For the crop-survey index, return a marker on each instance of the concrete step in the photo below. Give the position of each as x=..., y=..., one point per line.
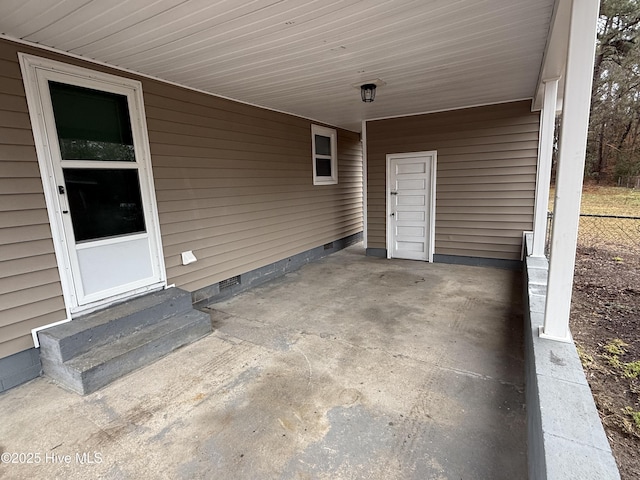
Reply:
x=95, y=349
x=66, y=341
x=105, y=363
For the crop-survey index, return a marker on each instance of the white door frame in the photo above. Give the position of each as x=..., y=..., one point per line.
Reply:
x=431, y=223
x=31, y=66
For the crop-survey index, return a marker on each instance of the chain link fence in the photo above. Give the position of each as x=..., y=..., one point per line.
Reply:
x=605, y=231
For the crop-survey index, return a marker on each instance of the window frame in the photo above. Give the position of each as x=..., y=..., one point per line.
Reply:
x=332, y=134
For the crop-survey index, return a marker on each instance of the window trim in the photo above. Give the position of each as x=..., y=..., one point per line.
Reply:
x=332, y=134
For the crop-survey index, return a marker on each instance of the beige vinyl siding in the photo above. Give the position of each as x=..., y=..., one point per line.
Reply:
x=233, y=183
x=30, y=290
x=486, y=173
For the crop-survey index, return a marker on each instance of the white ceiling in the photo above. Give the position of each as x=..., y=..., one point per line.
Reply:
x=303, y=56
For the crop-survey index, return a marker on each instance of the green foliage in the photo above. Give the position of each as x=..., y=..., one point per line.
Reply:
x=635, y=416
x=615, y=349
x=627, y=164
x=631, y=369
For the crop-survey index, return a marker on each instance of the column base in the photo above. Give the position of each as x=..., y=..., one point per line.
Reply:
x=567, y=339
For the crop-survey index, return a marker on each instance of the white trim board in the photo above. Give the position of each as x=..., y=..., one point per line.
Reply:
x=365, y=189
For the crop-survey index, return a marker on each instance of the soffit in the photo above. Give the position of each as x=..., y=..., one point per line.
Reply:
x=303, y=57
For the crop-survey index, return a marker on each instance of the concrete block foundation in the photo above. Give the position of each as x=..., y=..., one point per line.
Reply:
x=19, y=368
x=566, y=439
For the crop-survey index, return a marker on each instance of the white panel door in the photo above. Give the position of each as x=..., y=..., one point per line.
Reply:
x=100, y=190
x=411, y=205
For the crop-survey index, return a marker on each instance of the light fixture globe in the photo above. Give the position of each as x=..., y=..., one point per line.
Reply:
x=368, y=92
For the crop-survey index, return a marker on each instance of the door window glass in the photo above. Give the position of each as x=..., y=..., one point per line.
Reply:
x=104, y=202
x=91, y=124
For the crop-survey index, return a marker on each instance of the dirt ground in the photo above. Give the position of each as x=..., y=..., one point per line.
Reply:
x=605, y=323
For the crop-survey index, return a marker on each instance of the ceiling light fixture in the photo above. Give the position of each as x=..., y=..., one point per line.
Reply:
x=368, y=92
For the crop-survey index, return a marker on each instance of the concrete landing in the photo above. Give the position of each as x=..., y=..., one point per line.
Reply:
x=351, y=368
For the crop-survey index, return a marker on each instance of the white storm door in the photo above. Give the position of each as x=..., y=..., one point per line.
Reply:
x=100, y=179
x=411, y=205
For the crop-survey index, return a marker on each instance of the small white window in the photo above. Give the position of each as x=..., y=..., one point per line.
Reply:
x=325, y=156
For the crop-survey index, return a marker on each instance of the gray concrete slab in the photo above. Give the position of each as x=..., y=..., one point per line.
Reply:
x=352, y=367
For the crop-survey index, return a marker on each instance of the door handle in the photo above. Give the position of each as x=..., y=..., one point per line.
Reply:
x=65, y=209
x=393, y=193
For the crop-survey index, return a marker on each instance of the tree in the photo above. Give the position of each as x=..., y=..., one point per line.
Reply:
x=615, y=103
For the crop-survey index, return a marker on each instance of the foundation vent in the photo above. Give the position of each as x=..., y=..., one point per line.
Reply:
x=229, y=282
x=328, y=246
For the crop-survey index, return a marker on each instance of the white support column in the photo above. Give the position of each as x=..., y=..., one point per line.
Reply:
x=365, y=210
x=545, y=152
x=571, y=160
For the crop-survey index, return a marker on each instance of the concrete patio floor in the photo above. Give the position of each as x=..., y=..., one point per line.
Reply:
x=351, y=368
